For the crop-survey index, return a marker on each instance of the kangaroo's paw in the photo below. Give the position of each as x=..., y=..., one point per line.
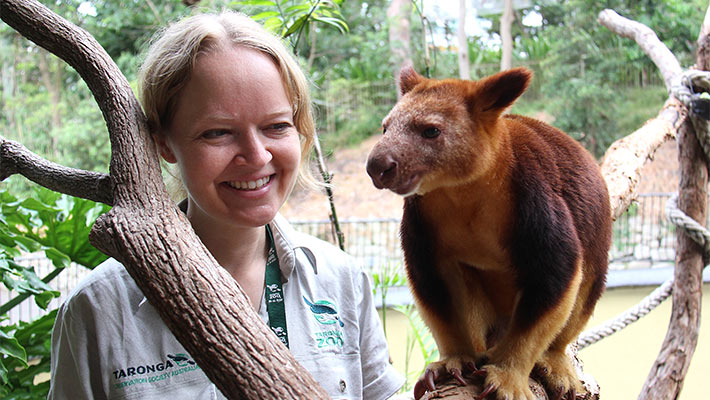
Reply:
x=506, y=383
x=557, y=373
x=457, y=366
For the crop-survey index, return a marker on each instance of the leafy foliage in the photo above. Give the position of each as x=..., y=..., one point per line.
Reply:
x=584, y=72
x=288, y=18
x=58, y=226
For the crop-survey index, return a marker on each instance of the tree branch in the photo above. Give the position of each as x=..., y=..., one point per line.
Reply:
x=199, y=301
x=623, y=161
x=17, y=159
x=625, y=158
x=666, y=377
x=646, y=38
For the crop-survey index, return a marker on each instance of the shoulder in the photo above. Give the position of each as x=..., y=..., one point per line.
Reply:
x=108, y=284
x=323, y=256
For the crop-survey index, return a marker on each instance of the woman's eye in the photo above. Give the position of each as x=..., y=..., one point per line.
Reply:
x=214, y=133
x=280, y=127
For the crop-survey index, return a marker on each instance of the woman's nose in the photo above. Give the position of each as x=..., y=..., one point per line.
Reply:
x=252, y=149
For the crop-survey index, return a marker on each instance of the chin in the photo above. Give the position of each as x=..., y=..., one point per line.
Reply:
x=256, y=218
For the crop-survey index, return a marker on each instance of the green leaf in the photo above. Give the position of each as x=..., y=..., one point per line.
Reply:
x=296, y=8
x=295, y=26
x=54, y=221
x=257, y=2
x=334, y=22
x=9, y=346
x=4, y=377
x=43, y=299
x=59, y=259
x=265, y=14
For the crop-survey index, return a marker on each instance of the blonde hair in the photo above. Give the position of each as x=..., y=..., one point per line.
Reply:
x=171, y=57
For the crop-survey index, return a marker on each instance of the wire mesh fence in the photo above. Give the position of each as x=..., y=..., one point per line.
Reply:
x=642, y=236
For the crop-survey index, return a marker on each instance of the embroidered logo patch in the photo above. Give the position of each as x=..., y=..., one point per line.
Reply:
x=325, y=312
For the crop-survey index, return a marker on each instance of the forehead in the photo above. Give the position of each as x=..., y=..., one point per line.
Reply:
x=234, y=82
x=431, y=104
x=234, y=61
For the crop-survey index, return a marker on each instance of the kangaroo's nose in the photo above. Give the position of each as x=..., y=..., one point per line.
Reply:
x=382, y=170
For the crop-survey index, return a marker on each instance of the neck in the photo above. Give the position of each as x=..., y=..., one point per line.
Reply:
x=242, y=251
x=236, y=250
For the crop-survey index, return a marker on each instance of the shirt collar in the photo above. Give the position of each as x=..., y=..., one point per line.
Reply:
x=287, y=240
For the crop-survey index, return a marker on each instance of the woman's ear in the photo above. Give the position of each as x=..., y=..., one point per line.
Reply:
x=164, y=148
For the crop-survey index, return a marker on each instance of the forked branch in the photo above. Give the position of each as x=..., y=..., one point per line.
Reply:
x=199, y=301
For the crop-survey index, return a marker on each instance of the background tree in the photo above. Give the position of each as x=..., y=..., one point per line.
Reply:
x=398, y=14
x=464, y=69
x=506, y=36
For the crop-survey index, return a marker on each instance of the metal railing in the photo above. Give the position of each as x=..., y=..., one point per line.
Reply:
x=642, y=237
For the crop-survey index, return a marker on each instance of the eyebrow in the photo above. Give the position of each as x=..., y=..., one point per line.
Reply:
x=225, y=117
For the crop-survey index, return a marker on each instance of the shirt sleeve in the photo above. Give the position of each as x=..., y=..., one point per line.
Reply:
x=380, y=379
x=74, y=373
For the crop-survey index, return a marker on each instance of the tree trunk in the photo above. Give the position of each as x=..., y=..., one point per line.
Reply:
x=665, y=380
x=506, y=35
x=464, y=64
x=399, y=36
x=312, y=51
x=198, y=300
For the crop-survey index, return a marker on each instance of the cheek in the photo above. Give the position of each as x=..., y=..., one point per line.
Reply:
x=289, y=152
x=196, y=167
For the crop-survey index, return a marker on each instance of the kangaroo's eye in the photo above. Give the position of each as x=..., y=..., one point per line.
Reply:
x=431, y=132
x=384, y=129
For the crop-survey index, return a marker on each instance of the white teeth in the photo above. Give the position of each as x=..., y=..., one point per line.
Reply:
x=250, y=185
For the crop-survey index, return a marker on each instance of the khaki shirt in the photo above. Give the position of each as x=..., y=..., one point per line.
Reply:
x=108, y=342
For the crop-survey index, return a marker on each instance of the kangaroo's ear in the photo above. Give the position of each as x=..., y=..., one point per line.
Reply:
x=408, y=79
x=499, y=91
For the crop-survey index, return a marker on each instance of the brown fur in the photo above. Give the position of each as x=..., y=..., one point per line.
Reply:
x=506, y=227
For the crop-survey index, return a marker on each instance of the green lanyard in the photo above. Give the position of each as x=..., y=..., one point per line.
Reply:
x=274, y=292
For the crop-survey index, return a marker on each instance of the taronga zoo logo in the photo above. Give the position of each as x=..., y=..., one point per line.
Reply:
x=325, y=312
x=152, y=373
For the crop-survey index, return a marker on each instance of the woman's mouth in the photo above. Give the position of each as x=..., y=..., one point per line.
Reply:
x=250, y=185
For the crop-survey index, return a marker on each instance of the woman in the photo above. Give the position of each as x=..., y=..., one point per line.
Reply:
x=229, y=106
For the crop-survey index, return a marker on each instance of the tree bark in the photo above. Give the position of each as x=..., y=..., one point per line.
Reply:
x=464, y=65
x=199, y=301
x=506, y=36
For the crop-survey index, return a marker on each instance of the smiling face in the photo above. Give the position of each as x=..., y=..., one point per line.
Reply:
x=233, y=138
